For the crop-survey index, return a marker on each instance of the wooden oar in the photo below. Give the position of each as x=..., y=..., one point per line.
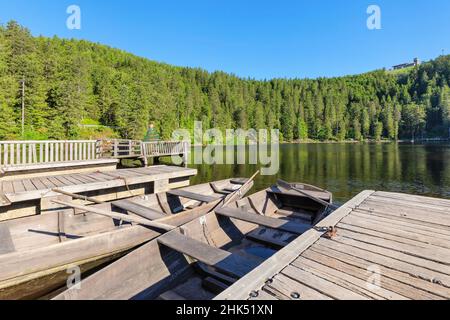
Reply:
x=118, y=216
x=238, y=193
x=288, y=186
x=77, y=196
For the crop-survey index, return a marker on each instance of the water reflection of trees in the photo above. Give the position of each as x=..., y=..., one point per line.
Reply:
x=347, y=169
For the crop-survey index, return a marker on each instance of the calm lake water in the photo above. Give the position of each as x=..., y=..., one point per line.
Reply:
x=347, y=169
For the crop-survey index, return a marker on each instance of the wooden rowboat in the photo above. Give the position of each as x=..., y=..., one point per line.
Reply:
x=36, y=252
x=208, y=254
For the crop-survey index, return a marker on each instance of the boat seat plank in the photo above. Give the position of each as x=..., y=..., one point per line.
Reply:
x=231, y=189
x=216, y=189
x=220, y=259
x=138, y=209
x=192, y=195
x=293, y=227
x=241, y=181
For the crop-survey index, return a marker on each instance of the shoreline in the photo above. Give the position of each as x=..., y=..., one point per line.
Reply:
x=339, y=142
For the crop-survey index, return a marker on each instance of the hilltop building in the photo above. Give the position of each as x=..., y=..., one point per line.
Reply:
x=415, y=63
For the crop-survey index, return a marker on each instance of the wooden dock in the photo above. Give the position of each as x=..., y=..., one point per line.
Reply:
x=23, y=197
x=377, y=246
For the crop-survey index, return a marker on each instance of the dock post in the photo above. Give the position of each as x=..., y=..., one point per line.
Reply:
x=161, y=186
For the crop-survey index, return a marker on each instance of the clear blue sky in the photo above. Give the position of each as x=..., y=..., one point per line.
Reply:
x=252, y=38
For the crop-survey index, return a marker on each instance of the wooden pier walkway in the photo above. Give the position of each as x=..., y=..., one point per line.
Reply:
x=21, y=191
x=382, y=246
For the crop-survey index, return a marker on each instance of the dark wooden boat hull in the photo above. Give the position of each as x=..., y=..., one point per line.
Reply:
x=223, y=245
x=34, y=272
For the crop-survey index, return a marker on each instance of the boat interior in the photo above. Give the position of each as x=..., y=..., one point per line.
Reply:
x=68, y=224
x=207, y=255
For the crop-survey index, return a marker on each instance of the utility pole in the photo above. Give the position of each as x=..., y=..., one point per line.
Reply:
x=23, y=106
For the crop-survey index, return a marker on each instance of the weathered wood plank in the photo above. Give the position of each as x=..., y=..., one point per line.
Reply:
x=402, y=219
x=192, y=195
x=73, y=179
x=429, y=206
x=29, y=186
x=7, y=187
x=138, y=209
x=100, y=184
x=432, y=266
x=373, y=228
x=53, y=165
x=289, y=288
x=84, y=178
x=6, y=242
x=405, y=225
x=18, y=186
x=413, y=198
x=273, y=223
x=38, y=184
x=358, y=266
x=56, y=182
x=256, y=279
x=346, y=280
x=322, y=285
x=264, y=296
x=436, y=254
x=220, y=259
x=66, y=180
x=317, y=194
x=399, y=211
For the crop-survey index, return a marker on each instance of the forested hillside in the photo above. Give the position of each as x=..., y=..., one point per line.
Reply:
x=70, y=83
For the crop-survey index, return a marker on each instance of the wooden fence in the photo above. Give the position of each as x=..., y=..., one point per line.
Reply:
x=165, y=148
x=37, y=152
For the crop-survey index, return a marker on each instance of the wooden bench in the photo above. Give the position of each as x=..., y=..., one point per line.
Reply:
x=192, y=196
x=222, y=260
x=274, y=223
x=21, y=171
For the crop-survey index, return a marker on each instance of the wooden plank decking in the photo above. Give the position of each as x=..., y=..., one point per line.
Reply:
x=387, y=246
x=35, y=188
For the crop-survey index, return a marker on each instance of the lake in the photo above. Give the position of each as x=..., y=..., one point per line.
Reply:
x=347, y=169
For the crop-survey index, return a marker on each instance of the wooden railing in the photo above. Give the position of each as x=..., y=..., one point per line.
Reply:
x=118, y=149
x=165, y=148
x=14, y=153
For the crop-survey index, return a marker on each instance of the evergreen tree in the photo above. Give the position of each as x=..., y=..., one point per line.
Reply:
x=70, y=82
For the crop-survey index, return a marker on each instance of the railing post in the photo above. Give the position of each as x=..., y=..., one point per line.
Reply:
x=144, y=153
x=186, y=153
